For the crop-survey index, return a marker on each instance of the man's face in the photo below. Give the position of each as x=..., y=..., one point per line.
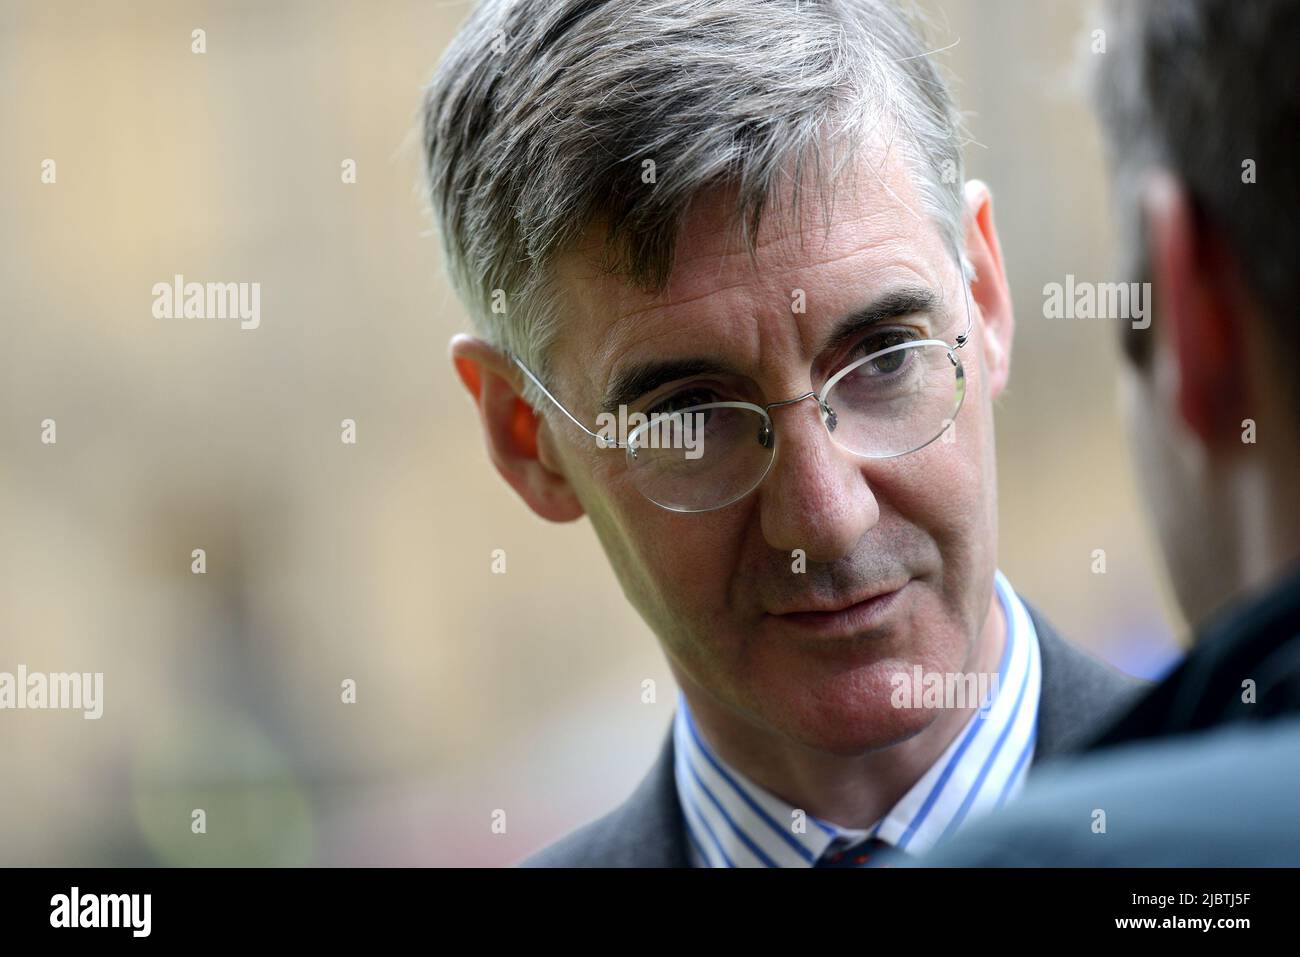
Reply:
x=1175, y=485
x=719, y=587
x=1199, y=493
x=1185, y=403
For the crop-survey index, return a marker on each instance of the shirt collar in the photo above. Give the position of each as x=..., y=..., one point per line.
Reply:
x=733, y=822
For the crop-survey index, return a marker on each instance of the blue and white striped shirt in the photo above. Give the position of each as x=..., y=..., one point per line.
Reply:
x=733, y=822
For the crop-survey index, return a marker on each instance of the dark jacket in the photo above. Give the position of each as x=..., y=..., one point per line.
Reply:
x=1194, y=774
x=647, y=830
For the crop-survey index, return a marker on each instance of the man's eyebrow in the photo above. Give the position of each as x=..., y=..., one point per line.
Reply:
x=894, y=304
x=644, y=377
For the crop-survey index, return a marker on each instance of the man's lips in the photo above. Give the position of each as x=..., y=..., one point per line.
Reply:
x=832, y=618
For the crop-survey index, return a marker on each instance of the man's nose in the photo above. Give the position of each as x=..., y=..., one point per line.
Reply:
x=815, y=496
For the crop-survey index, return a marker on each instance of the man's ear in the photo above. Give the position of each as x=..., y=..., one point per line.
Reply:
x=989, y=289
x=1198, y=301
x=518, y=441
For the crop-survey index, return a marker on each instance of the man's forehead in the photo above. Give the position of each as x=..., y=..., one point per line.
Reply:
x=870, y=233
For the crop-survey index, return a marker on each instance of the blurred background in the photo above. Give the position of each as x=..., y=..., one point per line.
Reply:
x=373, y=562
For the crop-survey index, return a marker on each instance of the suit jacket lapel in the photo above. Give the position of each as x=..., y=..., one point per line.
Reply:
x=648, y=830
x=1079, y=692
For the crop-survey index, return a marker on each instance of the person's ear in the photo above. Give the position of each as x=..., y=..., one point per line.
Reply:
x=1197, y=334
x=989, y=289
x=518, y=441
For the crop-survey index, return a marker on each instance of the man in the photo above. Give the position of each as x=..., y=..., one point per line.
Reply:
x=742, y=224
x=1201, y=100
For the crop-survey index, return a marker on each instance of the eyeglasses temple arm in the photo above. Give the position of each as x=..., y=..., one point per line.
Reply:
x=604, y=442
x=965, y=295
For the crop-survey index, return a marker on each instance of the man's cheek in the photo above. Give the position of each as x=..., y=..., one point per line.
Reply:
x=935, y=486
x=689, y=566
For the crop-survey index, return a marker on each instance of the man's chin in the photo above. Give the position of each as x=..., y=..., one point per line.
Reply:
x=848, y=720
x=844, y=710
x=860, y=733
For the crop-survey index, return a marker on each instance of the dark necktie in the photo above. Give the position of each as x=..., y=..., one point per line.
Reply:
x=840, y=854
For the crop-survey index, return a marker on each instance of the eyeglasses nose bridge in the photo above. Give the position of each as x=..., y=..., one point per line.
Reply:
x=772, y=405
x=828, y=414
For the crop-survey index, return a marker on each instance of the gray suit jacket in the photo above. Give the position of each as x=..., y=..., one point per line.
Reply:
x=1079, y=693
x=1196, y=773
x=1229, y=797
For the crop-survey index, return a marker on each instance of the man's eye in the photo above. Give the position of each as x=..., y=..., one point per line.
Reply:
x=890, y=362
x=682, y=400
x=882, y=340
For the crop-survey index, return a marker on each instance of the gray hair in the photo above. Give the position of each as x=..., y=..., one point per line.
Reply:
x=1198, y=87
x=542, y=114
